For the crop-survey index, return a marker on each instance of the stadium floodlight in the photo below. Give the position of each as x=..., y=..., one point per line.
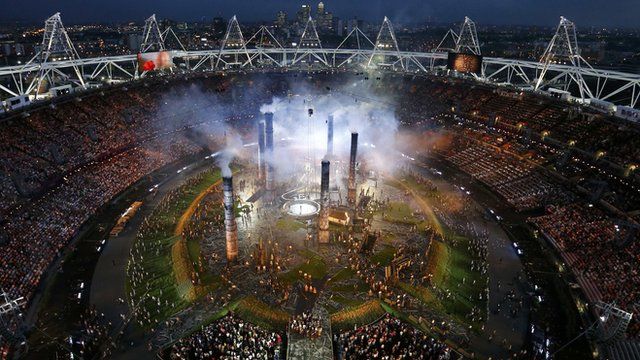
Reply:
x=56, y=45
x=563, y=50
x=467, y=39
x=233, y=40
x=386, y=42
x=151, y=36
x=310, y=45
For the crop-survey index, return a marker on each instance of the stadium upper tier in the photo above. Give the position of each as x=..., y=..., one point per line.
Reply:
x=561, y=71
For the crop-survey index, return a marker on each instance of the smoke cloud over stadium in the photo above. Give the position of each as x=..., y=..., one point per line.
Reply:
x=300, y=120
x=300, y=129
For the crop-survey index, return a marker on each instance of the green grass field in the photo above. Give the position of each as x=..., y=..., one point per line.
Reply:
x=449, y=263
x=158, y=246
x=359, y=315
x=384, y=256
x=288, y=223
x=315, y=267
x=341, y=275
x=260, y=313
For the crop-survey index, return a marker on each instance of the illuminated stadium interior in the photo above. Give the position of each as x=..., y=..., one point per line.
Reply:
x=309, y=202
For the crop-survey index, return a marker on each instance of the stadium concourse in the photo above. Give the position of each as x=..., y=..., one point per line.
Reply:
x=552, y=187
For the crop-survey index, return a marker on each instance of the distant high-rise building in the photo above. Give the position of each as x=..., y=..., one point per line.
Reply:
x=219, y=26
x=281, y=19
x=303, y=14
x=324, y=19
x=354, y=23
x=6, y=47
x=19, y=49
x=134, y=41
x=339, y=27
x=328, y=21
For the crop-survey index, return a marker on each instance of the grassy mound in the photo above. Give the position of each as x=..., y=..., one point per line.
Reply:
x=260, y=313
x=356, y=316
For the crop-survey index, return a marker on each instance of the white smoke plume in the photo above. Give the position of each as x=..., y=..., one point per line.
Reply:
x=356, y=107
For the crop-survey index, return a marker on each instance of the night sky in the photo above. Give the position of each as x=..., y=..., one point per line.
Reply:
x=622, y=13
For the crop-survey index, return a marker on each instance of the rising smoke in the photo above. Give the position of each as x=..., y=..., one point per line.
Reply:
x=358, y=105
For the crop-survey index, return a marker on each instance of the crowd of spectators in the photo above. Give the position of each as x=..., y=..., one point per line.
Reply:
x=512, y=141
x=516, y=180
x=62, y=162
x=229, y=338
x=576, y=141
x=590, y=244
x=307, y=324
x=389, y=338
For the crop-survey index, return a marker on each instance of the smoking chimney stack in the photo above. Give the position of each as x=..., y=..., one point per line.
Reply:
x=351, y=190
x=324, y=180
x=230, y=220
x=323, y=220
x=268, y=119
x=261, y=151
x=330, y=136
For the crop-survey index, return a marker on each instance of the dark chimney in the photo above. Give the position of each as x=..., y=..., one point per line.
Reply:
x=230, y=220
x=351, y=191
x=330, y=136
x=261, y=151
x=323, y=220
x=324, y=180
x=268, y=118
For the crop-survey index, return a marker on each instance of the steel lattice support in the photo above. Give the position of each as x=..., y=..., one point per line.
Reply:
x=309, y=41
x=233, y=40
x=386, y=43
x=152, y=39
x=56, y=45
x=612, y=324
x=467, y=40
x=11, y=324
x=263, y=49
x=563, y=48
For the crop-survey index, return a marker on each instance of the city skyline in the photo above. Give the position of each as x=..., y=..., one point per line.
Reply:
x=493, y=12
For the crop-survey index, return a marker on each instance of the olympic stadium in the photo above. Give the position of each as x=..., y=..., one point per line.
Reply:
x=268, y=201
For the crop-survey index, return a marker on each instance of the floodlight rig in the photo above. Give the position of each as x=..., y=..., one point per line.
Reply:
x=309, y=44
x=385, y=42
x=233, y=39
x=563, y=49
x=612, y=323
x=467, y=40
x=169, y=32
x=609, y=327
x=56, y=46
x=152, y=39
x=262, y=40
x=361, y=39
